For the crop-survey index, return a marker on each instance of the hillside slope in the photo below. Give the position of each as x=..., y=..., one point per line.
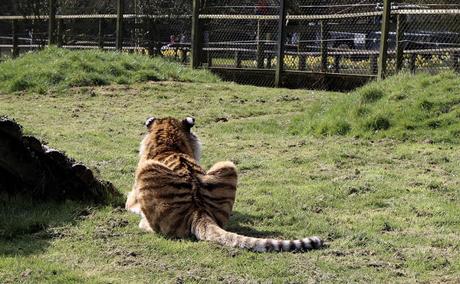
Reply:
x=57, y=69
x=405, y=107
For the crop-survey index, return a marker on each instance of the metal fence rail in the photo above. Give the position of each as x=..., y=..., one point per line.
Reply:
x=335, y=44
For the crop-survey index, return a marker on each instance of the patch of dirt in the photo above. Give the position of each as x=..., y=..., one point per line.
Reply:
x=287, y=98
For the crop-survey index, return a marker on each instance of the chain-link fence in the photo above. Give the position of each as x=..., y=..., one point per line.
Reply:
x=143, y=26
x=335, y=43
x=240, y=36
x=425, y=37
x=322, y=43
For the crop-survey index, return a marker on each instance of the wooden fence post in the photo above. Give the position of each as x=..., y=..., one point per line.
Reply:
x=302, y=57
x=237, y=59
x=14, y=35
x=119, y=28
x=209, y=59
x=324, y=44
x=413, y=63
x=374, y=64
x=337, y=63
x=52, y=22
x=60, y=32
x=400, y=23
x=196, y=35
x=100, y=33
x=281, y=44
x=384, y=39
x=268, y=38
x=260, y=52
x=455, y=64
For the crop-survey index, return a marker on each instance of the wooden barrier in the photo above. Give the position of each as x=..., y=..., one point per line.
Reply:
x=119, y=28
x=14, y=35
x=400, y=24
x=100, y=33
x=324, y=51
x=455, y=61
x=281, y=44
x=52, y=22
x=196, y=35
x=382, y=68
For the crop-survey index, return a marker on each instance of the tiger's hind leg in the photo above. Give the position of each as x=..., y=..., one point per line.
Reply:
x=219, y=190
x=144, y=225
x=132, y=204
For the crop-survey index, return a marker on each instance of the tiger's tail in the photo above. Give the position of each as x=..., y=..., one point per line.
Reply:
x=206, y=229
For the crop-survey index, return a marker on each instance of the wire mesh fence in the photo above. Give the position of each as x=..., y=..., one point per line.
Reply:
x=241, y=35
x=339, y=39
x=425, y=37
x=320, y=42
x=146, y=27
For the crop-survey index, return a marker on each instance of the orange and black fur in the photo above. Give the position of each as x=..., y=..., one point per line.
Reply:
x=177, y=198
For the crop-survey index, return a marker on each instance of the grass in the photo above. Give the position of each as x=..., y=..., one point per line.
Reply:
x=58, y=69
x=387, y=207
x=405, y=107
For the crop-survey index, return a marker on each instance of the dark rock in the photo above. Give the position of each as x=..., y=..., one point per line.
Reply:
x=34, y=144
x=83, y=173
x=29, y=167
x=10, y=127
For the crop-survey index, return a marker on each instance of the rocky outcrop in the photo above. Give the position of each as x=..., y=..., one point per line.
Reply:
x=29, y=167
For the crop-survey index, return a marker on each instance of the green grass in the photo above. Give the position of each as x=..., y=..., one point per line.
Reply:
x=387, y=208
x=58, y=69
x=405, y=107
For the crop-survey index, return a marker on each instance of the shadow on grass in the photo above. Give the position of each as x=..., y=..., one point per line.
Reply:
x=27, y=226
x=235, y=226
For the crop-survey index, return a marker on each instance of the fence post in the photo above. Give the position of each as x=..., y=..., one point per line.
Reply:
x=52, y=22
x=302, y=49
x=60, y=29
x=281, y=43
x=196, y=35
x=337, y=63
x=237, y=59
x=119, y=28
x=324, y=42
x=209, y=59
x=14, y=35
x=268, y=38
x=413, y=63
x=384, y=39
x=100, y=33
x=374, y=64
x=260, y=49
x=455, y=64
x=400, y=23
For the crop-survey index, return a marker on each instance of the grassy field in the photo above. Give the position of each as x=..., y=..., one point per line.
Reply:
x=387, y=206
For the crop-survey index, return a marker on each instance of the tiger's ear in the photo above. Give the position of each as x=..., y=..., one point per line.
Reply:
x=149, y=121
x=189, y=122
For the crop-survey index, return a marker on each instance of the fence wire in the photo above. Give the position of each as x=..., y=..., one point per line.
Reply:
x=240, y=39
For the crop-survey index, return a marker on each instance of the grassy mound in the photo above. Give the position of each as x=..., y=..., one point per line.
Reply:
x=402, y=107
x=55, y=68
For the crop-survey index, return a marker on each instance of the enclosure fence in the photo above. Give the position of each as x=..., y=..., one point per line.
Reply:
x=336, y=44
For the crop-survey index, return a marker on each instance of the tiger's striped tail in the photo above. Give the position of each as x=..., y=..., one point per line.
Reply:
x=204, y=228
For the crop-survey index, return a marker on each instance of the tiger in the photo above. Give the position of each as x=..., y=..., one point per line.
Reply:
x=177, y=198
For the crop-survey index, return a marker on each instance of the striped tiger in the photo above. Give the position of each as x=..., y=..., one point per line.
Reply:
x=177, y=198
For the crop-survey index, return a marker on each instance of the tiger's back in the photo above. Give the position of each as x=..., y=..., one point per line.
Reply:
x=173, y=188
x=177, y=198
